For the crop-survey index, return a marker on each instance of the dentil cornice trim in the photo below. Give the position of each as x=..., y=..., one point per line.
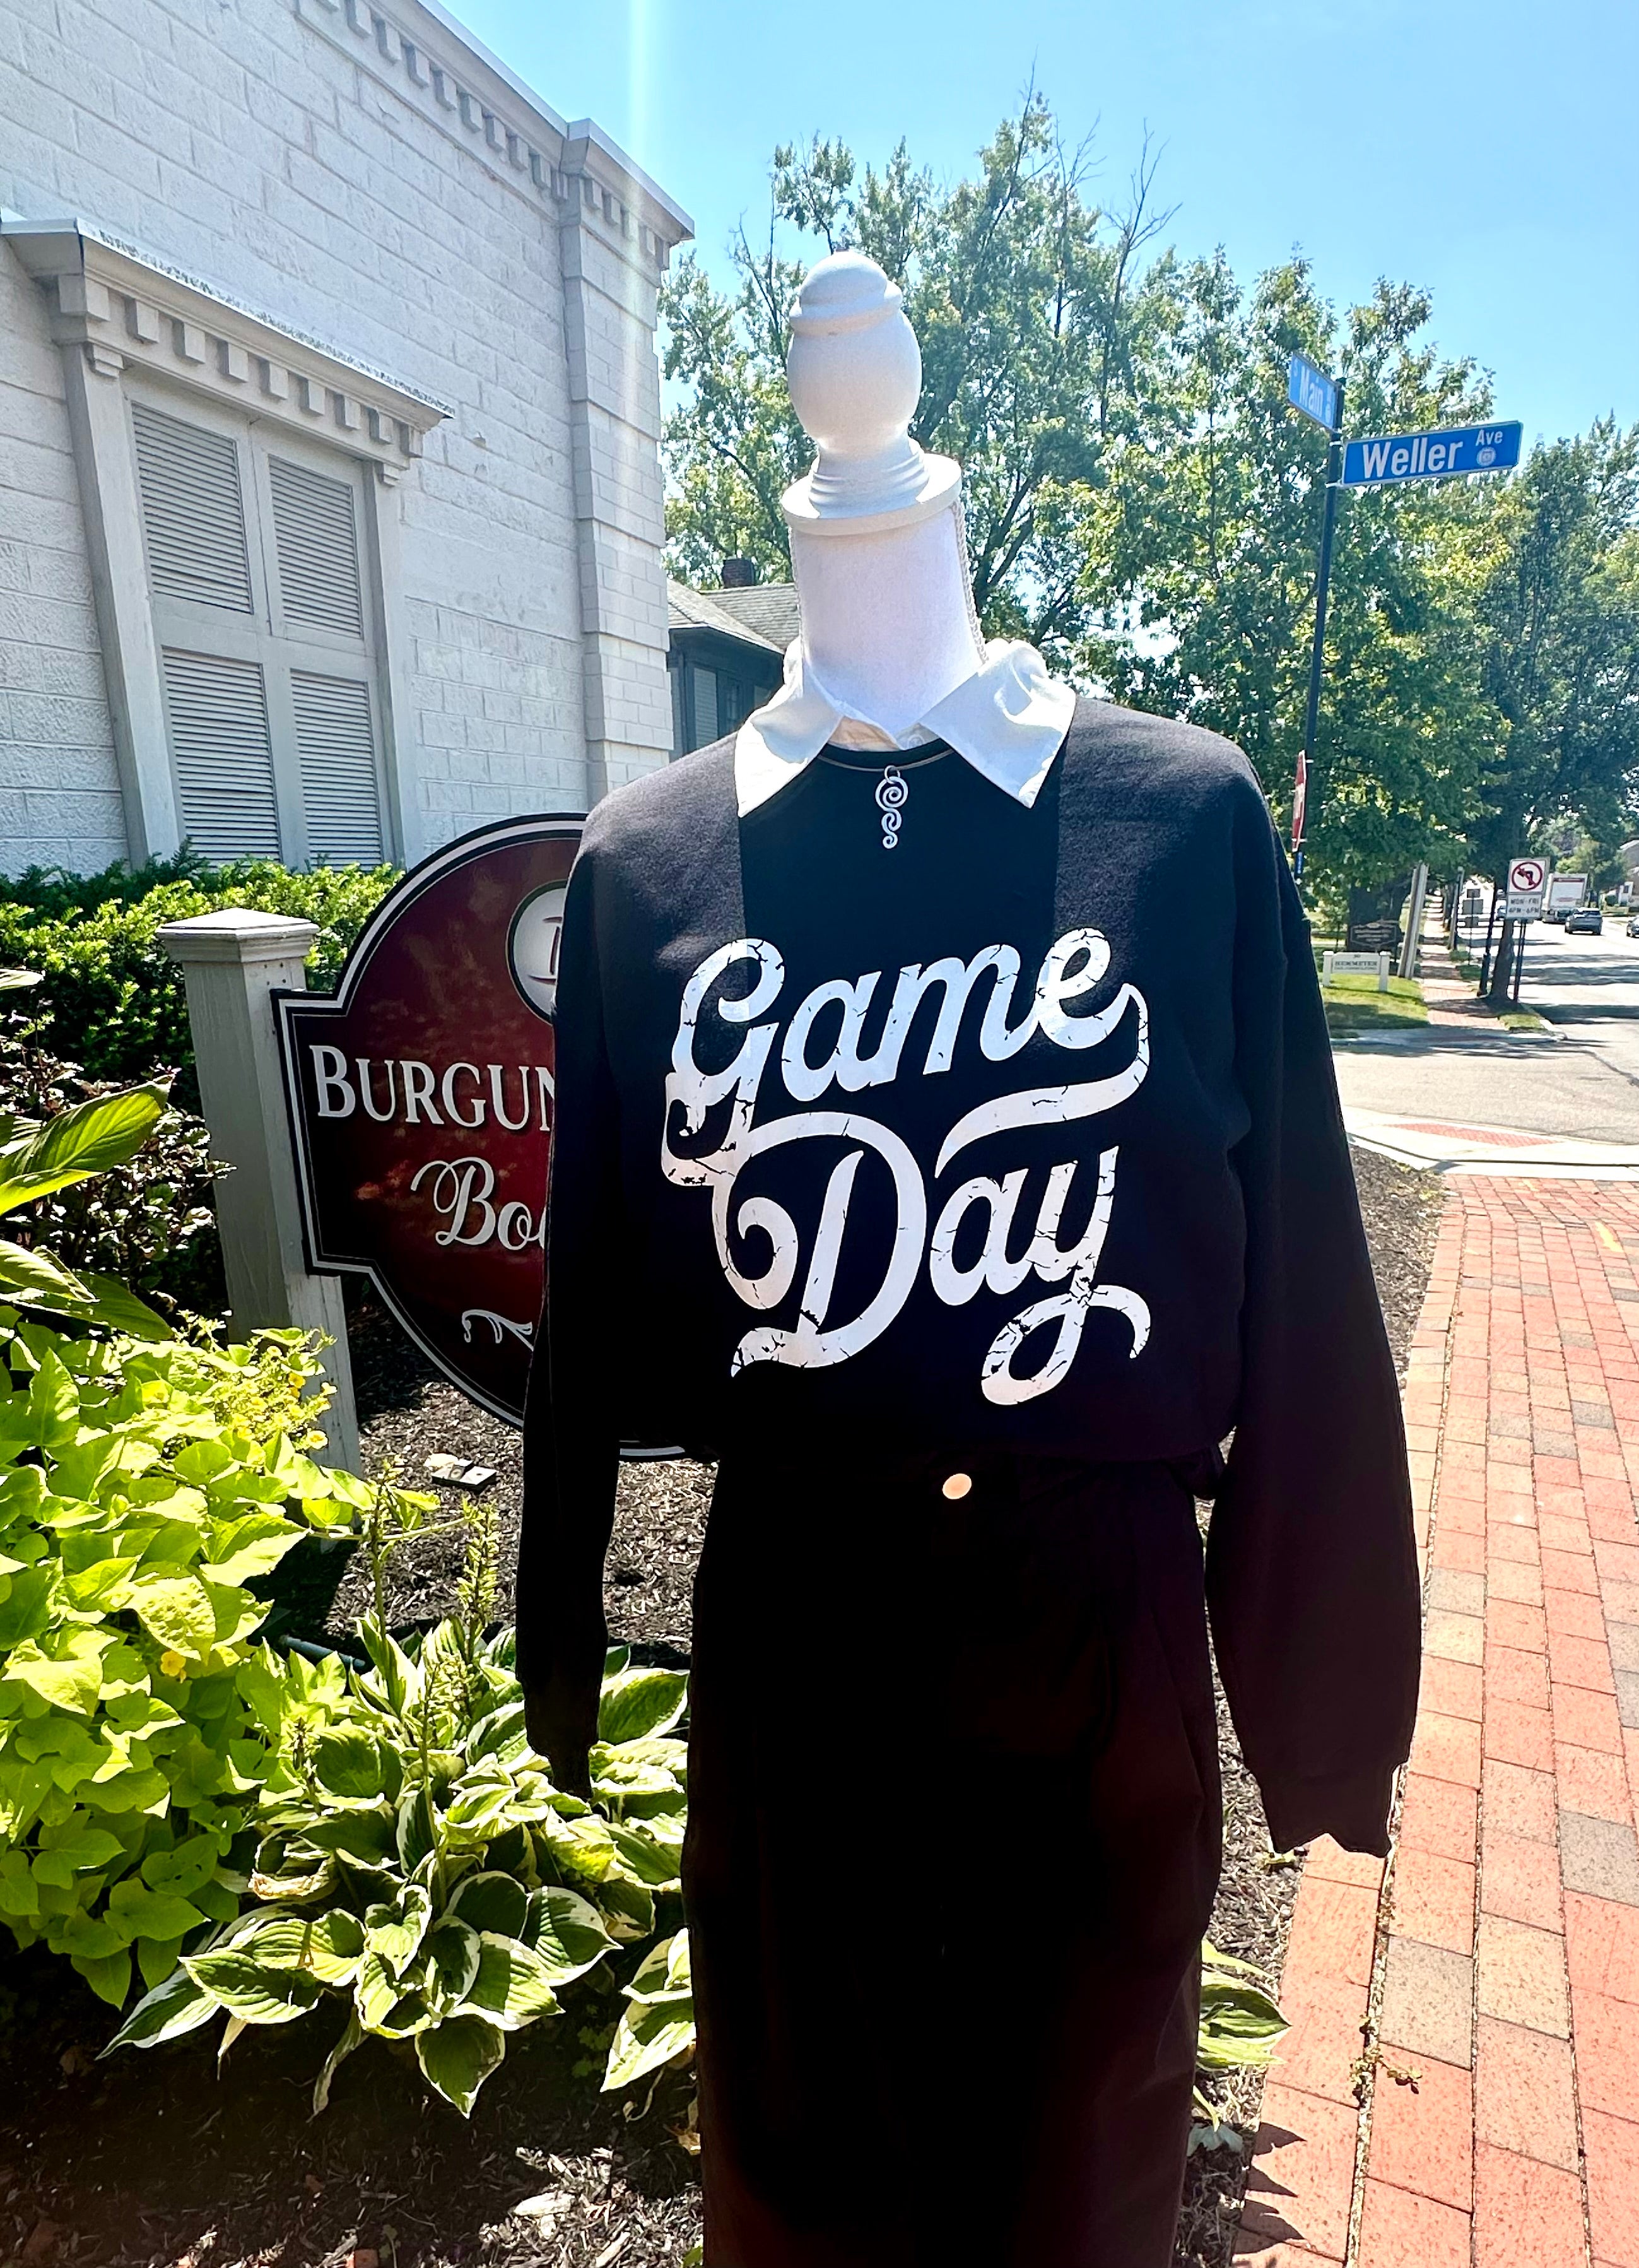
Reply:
x=571, y=167
x=125, y=308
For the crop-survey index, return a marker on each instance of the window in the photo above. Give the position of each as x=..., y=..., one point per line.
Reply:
x=267, y=645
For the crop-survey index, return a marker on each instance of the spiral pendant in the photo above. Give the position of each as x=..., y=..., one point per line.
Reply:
x=891, y=795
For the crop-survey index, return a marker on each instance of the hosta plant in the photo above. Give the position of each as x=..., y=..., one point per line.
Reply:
x=143, y=1487
x=1240, y=2025
x=418, y=1874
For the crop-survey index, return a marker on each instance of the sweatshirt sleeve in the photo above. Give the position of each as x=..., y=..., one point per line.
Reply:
x=570, y=1419
x=1311, y=1566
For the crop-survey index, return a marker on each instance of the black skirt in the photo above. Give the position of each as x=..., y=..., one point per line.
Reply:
x=954, y=1832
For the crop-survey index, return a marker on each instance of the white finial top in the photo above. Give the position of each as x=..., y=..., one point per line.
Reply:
x=854, y=371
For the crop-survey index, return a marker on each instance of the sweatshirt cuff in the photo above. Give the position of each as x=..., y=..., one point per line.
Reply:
x=1354, y=1811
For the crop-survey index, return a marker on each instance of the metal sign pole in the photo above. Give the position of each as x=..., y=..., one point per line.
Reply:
x=1323, y=578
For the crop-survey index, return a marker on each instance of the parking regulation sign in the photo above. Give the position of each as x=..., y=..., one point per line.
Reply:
x=1527, y=885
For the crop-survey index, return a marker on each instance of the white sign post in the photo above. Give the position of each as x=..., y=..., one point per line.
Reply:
x=1527, y=886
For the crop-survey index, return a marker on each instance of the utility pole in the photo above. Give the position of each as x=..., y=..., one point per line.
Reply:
x=1323, y=578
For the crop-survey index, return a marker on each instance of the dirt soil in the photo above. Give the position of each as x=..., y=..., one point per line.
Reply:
x=153, y=2160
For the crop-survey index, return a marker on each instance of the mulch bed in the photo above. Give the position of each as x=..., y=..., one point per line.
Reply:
x=154, y=2161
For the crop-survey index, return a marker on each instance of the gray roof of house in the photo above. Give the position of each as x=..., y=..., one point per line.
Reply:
x=764, y=615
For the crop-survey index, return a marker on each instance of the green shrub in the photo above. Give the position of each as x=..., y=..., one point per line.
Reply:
x=115, y=1001
x=143, y=1487
x=418, y=1873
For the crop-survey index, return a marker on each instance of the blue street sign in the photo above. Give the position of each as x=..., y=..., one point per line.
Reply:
x=1429, y=456
x=1310, y=390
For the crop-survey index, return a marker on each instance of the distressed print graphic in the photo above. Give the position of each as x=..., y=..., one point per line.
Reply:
x=1072, y=968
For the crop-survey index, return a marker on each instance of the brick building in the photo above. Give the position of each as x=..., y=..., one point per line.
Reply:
x=330, y=498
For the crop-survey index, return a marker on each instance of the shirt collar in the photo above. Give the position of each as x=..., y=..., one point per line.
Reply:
x=1008, y=719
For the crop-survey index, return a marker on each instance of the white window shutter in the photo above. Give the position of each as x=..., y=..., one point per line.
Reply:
x=223, y=754
x=316, y=536
x=193, y=512
x=336, y=748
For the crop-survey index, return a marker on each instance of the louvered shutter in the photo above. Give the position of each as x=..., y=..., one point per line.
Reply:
x=705, y=708
x=336, y=749
x=316, y=536
x=222, y=754
x=193, y=512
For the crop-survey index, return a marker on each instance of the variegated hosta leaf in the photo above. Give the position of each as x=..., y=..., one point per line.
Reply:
x=391, y=2006
x=295, y=1870
x=353, y=1768
x=658, y=2024
x=478, y=1800
x=628, y=1909
x=663, y=1972
x=458, y=2057
x=499, y=1734
x=495, y=1903
x=638, y=1768
x=582, y=1848
x=395, y=1927
x=569, y=1934
x=451, y=1958
x=638, y=1702
x=643, y=1857
x=179, y=2004
x=351, y=2037
x=417, y=1828
x=513, y=1986
x=334, y=1947
x=251, y=1989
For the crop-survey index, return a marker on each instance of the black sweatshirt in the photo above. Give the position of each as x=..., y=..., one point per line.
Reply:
x=1022, y=1133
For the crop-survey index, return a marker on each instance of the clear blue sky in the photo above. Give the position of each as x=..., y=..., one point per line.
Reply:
x=1489, y=153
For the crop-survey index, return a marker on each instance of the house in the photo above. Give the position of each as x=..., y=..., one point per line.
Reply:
x=727, y=652
x=330, y=494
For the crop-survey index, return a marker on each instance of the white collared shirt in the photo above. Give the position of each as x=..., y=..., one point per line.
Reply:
x=1008, y=719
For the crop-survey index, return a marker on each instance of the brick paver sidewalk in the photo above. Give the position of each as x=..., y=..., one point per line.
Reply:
x=1460, y=2087
x=1448, y=995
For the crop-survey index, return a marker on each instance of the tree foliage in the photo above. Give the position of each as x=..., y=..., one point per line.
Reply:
x=1142, y=502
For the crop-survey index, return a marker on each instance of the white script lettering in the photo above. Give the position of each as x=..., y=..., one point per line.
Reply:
x=823, y=1046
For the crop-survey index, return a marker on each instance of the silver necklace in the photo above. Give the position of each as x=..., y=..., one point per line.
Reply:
x=892, y=790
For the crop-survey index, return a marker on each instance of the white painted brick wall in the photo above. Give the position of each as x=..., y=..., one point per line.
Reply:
x=244, y=146
x=59, y=789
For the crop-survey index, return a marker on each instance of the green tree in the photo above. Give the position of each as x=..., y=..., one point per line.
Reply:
x=1209, y=537
x=1040, y=316
x=1142, y=502
x=1558, y=617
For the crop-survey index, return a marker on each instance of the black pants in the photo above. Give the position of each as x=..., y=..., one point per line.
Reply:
x=954, y=1823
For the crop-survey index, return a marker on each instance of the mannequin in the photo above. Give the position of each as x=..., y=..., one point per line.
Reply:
x=876, y=550
x=946, y=1144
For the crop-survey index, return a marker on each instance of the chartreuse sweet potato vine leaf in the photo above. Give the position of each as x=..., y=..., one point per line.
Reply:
x=138, y=1717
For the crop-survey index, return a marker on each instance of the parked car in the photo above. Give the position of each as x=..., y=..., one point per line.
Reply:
x=1633, y=925
x=1584, y=921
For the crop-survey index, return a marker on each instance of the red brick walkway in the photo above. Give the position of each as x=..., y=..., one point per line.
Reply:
x=1460, y=2087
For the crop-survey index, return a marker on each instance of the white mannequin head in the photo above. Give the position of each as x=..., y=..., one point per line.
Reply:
x=876, y=531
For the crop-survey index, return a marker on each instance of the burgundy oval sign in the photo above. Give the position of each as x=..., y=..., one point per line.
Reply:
x=421, y=1101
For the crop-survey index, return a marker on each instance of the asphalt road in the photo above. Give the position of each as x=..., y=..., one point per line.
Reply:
x=1581, y=1080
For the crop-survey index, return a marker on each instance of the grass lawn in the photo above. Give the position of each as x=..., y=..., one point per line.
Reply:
x=1354, y=1005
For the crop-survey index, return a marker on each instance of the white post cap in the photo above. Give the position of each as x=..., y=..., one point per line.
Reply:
x=237, y=934
x=854, y=371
